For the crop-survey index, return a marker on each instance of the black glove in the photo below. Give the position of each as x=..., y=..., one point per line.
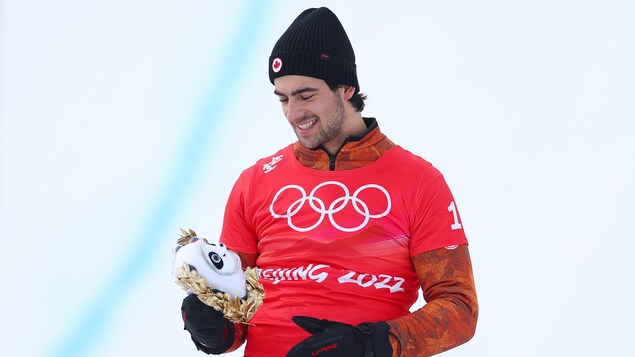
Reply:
x=210, y=330
x=337, y=339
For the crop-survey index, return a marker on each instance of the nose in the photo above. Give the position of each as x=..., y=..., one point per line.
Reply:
x=293, y=110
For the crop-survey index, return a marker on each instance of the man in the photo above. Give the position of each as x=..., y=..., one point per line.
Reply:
x=344, y=225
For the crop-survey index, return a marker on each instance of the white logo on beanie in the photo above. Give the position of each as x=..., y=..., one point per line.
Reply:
x=276, y=65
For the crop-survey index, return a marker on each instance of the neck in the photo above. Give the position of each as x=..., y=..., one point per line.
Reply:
x=354, y=125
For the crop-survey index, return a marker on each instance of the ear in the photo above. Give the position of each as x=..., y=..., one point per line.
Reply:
x=349, y=92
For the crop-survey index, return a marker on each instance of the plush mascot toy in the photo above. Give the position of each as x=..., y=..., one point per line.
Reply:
x=215, y=274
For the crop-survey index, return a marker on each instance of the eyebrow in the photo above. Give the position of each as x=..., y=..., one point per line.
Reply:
x=297, y=91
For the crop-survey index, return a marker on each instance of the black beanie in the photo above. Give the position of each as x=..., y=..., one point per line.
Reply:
x=315, y=45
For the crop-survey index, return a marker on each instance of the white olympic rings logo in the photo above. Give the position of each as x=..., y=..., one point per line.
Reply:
x=336, y=206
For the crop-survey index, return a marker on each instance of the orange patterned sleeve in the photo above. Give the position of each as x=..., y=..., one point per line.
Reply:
x=449, y=317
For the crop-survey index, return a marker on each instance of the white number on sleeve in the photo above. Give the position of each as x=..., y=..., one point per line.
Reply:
x=456, y=224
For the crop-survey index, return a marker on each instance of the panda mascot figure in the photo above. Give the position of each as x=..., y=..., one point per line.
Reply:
x=215, y=275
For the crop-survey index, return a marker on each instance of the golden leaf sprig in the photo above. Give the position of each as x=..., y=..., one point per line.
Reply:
x=185, y=238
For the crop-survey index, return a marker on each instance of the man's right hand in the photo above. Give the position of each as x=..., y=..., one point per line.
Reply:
x=210, y=330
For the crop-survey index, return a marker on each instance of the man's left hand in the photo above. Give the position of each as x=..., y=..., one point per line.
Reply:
x=337, y=339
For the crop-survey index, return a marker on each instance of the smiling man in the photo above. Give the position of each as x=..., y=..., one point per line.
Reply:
x=345, y=226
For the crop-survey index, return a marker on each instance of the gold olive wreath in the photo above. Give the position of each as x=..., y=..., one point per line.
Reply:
x=235, y=309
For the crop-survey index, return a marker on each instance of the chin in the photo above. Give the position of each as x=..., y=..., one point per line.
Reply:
x=311, y=146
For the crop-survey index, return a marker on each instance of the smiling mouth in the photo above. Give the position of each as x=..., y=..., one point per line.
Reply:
x=306, y=125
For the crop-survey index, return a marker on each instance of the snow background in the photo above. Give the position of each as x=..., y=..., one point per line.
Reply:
x=121, y=121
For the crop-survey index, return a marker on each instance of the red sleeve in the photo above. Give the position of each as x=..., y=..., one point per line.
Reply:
x=238, y=232
x=435, y=220
x=238, y=235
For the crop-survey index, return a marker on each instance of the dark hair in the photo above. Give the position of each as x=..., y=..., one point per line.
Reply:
x=357, y=100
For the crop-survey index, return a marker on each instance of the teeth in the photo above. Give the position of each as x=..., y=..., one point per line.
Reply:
x=306, y=125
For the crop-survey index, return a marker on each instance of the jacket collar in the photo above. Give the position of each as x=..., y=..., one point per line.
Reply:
x=356, y=152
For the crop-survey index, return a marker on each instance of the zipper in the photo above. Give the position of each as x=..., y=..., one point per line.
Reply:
x=371, y=124
x=333, y=158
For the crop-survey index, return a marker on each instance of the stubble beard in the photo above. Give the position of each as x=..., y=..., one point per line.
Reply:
x=331, y=129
